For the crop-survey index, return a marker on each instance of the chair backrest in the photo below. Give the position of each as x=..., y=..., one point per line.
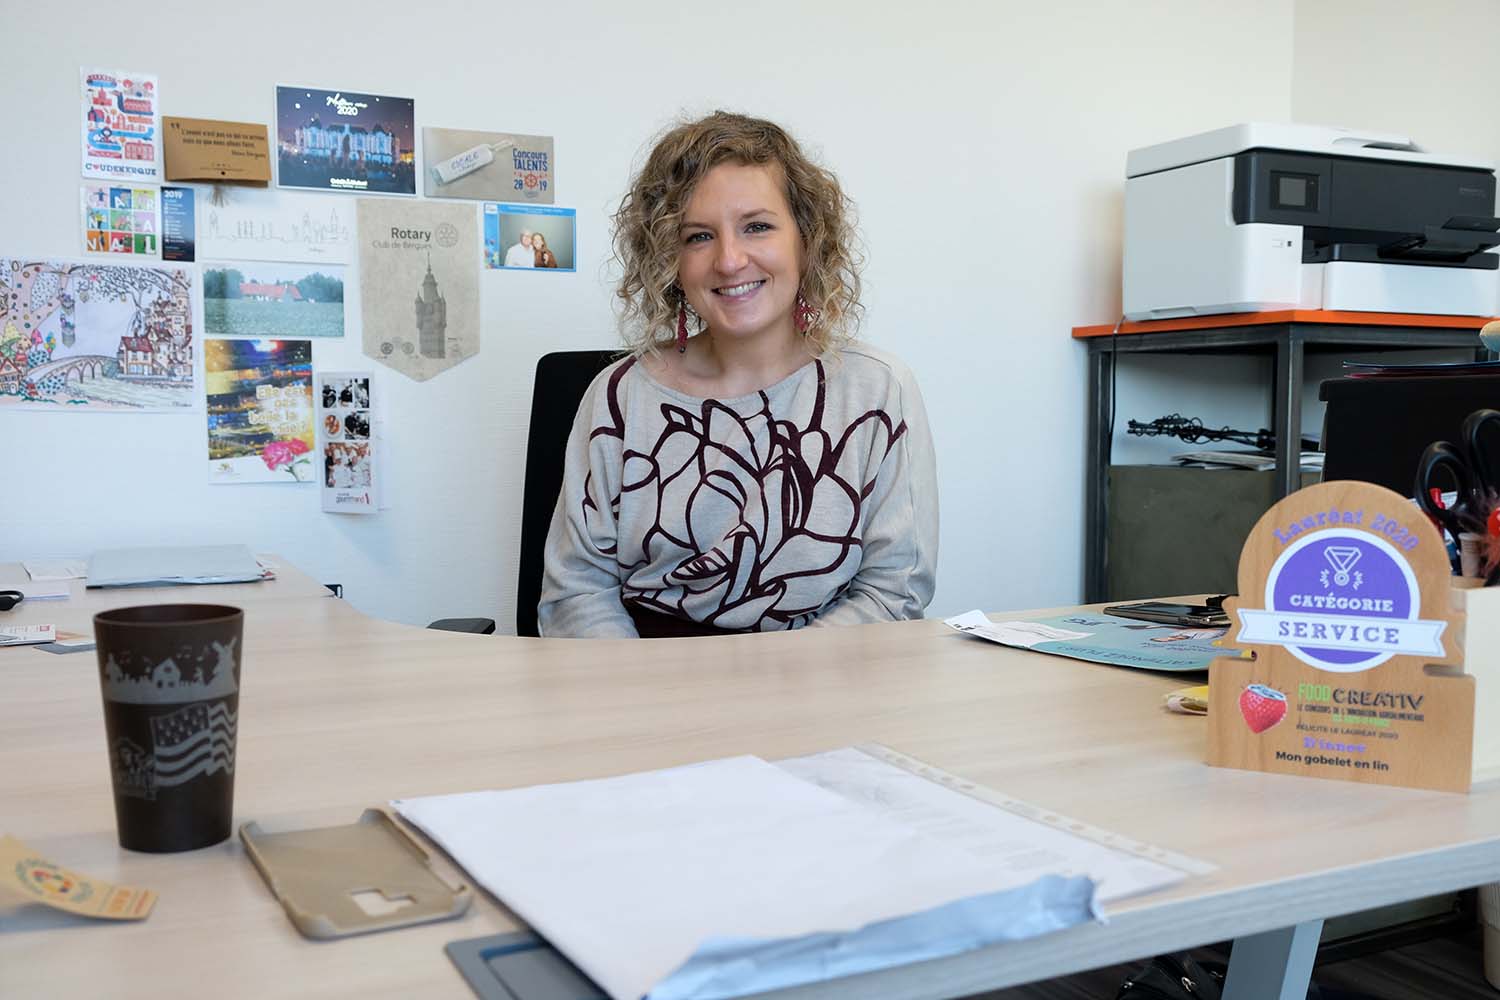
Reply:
x=561, y=380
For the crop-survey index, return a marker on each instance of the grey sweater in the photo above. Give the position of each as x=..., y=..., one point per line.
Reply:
x=811, y=502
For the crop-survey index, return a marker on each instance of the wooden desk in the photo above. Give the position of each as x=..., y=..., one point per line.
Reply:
x=340, y=712
x=1287, y=335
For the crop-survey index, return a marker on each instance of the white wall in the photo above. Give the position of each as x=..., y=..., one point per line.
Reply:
x=983, y=142
x=1395, y=66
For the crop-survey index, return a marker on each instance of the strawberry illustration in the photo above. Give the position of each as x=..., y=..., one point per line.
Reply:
x=1262, y=707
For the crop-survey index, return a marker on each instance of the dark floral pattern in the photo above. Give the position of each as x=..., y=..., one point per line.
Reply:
x=754, y=520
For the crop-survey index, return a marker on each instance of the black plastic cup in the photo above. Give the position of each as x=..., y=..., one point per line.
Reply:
x=170, y=676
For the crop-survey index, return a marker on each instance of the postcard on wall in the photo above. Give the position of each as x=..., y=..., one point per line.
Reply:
x=338, y=140
x=121, y=126
x=272, y=299
x=121, y=219
x=177, y=229
x=260, y=411
x=487, y=166
x=418, y=284
x=347, y=446
x=267, y=224
x=96, y=336
x=528, y=237
x=201, y=149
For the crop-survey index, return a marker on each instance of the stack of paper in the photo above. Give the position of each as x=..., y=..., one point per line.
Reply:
x=168, y=565
x=738, y=876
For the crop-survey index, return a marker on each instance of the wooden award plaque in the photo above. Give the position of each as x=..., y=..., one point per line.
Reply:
x=1346, y=600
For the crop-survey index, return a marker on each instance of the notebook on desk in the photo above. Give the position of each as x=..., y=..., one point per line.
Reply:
x=158, y=566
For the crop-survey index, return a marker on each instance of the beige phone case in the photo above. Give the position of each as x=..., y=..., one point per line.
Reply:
x=316, y=874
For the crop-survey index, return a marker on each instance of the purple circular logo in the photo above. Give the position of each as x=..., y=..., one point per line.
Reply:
x=1334, y=583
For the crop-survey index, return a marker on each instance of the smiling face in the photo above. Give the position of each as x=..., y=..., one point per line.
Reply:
x=526, y=239
x=740, y=259
x=538, y=242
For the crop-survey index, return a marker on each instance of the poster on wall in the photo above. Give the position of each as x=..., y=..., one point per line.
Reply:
x=347, y=445
x=121, y=219
x=260, y=412
x=487, y=166
x=203, y=149
x=95, y=336
x=529, y=237
x=177, y=230
x=266, y=224
x=418, y=284
x=121, y=126
x=271, y=299
x=338, y=140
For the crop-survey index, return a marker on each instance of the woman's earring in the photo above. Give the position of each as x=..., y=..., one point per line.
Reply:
x=803, y=315
x=682, y=327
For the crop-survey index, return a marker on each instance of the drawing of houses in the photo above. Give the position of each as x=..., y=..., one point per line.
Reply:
x=136, y=357
x=165, y=683
x=164, y=350
x=10, y=375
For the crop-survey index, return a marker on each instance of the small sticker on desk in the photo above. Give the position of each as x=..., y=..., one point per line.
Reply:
x=24, y=870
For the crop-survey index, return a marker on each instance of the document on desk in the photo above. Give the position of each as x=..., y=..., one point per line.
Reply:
x=1120, y=642
x=170, y=565
x=738, y=876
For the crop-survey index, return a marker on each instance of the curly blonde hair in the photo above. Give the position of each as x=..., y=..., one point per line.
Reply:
x=647, y=238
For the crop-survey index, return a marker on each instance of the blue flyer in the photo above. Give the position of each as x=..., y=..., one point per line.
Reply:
x=1120, y=642
x=177, y=228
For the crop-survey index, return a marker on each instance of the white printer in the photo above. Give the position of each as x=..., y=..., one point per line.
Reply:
x=1257, y=217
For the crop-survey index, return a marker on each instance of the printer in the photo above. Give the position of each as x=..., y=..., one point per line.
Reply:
x=1259, y=217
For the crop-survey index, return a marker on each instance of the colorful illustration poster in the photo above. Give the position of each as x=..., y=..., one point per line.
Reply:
x=342, y=141
x=260, y=411
x=529, y=237
x=95, y=336
x=121, y=126
x=347, y=444
x=270, y=299
x=121, y=219
x=487, y=166
x=418, y=284
x=177, y=229
x=264, y=224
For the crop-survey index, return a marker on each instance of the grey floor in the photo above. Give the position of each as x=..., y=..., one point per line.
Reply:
x=1450, y=968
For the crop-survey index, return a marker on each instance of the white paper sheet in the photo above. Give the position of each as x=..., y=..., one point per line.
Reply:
x=1008, y=839
x=51, y=591
x=734, y=877
x=169, y=564
x=1024, y=634
x=56, y=569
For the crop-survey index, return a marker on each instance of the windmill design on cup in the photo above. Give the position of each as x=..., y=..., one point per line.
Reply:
x=1342, y=558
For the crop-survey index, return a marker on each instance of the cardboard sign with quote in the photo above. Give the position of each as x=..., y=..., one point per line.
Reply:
x=201, y=149
x=1345, y=597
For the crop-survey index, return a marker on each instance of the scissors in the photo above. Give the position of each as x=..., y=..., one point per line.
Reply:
x=1472, y=470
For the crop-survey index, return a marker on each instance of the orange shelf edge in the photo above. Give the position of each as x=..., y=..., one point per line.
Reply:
x=1283, y=316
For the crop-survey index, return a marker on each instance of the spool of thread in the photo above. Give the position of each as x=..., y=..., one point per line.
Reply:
x=1471, y=553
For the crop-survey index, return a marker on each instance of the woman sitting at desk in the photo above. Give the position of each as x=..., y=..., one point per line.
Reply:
x=768, y=472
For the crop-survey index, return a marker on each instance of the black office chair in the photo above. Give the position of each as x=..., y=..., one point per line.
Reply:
x=561, y=380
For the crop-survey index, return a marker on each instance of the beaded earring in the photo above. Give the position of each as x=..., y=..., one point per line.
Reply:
x=803, y=315
x=682, y=327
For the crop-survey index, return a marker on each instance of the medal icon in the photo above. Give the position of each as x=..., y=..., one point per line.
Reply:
x=1342, y=558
